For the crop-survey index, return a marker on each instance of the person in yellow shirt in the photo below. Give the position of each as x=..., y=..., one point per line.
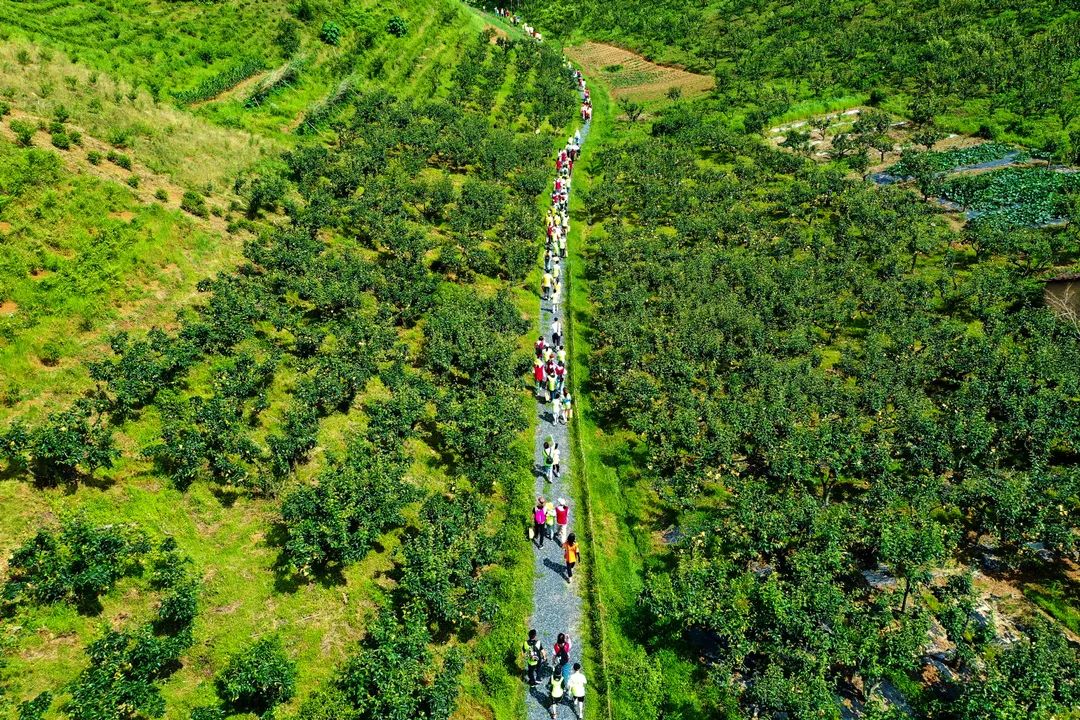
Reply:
x=571, y=554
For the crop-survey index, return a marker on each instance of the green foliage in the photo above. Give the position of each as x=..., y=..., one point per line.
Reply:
x=258, y=678
x=218, y=83
x=388, y=678
x=75, y=565
x=120, y=681
x=141, y=368
x=330, y=33
x=36, y=708
x=194, y=203
x=822, y=385
x=397, y=26
x=24, y=132
x=305, y=11
x=338, y=520
x=205, y=438
x=1014, y=196
x=288, y=37
x=69, y=444
x=443, y=562
x=119, y=159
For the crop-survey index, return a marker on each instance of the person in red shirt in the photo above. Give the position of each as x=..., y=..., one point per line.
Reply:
x=540, y=376
x=562, y=519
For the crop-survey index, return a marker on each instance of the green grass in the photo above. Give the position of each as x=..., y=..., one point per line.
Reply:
x=242, y=596
x=82, y=258
x=1061, y=601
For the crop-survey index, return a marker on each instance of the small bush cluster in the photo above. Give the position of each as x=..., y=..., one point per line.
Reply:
x=258, y=678
x=194, y=203
x=397, y=26
x=330, y=33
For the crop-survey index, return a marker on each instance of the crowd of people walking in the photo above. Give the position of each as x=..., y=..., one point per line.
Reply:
x=564, y=679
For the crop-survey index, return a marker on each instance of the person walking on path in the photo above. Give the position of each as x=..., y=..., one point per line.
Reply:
x=556, y=332
x=549, y=460
x=557, y=685
x=555, y=462
x=562, y=519
x=556, y=405
x=571, y=554
x=534, y=654
x=540, y=375
x=577, y=690
x=539, y=522
x=560, y=653
x=549, y=515
x=567, y=408
x=545, y=284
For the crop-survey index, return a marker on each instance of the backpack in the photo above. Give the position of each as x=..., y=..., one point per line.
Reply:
x=540, y=516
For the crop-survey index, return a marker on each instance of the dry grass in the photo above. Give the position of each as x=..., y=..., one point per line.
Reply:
x=191, y=151
x=635, y=77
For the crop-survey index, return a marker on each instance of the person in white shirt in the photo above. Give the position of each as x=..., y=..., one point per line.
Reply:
x=576, y=686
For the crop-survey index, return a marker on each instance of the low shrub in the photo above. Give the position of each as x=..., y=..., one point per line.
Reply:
x=258, y=678
x=330, y=33
x=119, y=159
x=24, y=132
x=397, y=26
x=194, y=203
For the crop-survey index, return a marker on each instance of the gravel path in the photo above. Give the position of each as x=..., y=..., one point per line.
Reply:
x=556, y=603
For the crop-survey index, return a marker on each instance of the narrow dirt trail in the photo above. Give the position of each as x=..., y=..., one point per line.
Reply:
x=557, y=603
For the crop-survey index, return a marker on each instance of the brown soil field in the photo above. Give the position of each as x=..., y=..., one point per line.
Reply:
x=635, y=77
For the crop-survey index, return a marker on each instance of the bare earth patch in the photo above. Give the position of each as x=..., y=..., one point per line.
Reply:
x=632, y=76
x=8, y=307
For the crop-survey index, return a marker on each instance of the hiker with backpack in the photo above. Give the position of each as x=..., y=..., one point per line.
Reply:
x=534, y=654
x=549, y=460
x=567, y=409
x=556, y=332
x=560, y=657
x=549, y=513
x=557, y=690
x=539, y=522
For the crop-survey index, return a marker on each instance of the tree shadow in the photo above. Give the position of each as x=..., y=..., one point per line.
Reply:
x=225, y=494
x=286, y=579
